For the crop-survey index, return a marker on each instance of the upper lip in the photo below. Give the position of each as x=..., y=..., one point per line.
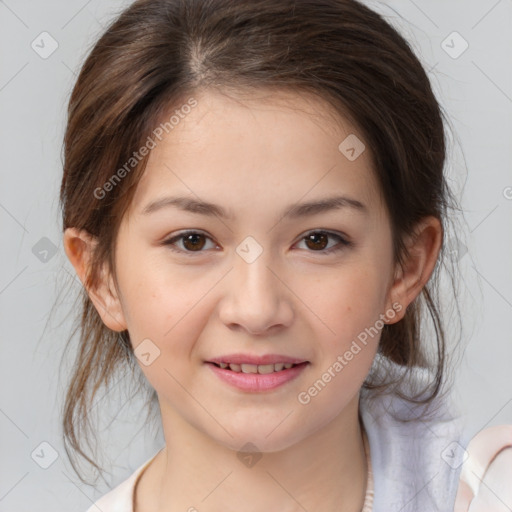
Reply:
x=254, y=359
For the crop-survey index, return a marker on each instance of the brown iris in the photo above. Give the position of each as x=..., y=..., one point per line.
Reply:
x=317, y=240
x=193, y=241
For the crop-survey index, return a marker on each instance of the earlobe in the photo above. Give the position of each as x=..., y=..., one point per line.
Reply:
x=79, y=246
x=423, y=250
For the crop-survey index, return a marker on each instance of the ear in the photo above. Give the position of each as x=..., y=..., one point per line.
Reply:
x=79, y=246
x=410, y=278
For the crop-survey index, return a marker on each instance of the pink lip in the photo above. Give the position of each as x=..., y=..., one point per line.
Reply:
x=253, y=359
x=258, y=382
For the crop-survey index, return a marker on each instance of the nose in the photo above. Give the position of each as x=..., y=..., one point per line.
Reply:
x=256, y=297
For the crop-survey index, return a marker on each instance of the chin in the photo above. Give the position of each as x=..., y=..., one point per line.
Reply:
x=255, y=434
x=252, y=442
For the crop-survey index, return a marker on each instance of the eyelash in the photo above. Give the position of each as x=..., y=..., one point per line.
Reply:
x=343, y=243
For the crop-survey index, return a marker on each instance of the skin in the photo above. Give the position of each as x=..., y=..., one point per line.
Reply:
x=255, y=157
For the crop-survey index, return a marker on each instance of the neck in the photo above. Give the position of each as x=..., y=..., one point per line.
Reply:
x=326, y=471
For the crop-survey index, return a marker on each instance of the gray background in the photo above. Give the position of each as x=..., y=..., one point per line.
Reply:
x=475, y=89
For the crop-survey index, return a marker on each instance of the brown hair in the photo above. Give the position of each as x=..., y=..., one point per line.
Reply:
x=157, y=53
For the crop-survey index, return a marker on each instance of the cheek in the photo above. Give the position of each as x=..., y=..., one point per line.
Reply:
x=165, y=316
x=347, y=341
x=163, y=305
x=346, y=302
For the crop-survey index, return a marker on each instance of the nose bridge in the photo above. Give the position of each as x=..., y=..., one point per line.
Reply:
x=253, y=278
x=256, y=299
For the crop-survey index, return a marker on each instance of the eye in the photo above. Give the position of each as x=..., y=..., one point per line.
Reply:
x=193, y=241
x=317, y=241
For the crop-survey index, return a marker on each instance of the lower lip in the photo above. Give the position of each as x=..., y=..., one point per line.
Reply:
x=258, y=381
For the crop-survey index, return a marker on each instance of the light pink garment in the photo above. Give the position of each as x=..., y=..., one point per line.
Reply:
x=121, y=498
x=486, y=476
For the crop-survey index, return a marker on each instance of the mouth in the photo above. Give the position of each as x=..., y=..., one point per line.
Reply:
x=262, y=369
x=254, y=374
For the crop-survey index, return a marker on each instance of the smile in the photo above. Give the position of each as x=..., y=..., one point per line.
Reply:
x=256, y=368
x=256, y=378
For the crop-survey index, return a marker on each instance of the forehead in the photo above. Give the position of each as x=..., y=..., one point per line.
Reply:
x=261, y=148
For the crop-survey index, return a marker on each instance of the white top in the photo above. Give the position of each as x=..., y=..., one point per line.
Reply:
x=415, y=464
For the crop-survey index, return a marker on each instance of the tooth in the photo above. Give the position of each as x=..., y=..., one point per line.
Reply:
x=223, y=365
x=278, y=367
x=265, y=368
x=249, y=368
x=288, y=365
x=234, y=367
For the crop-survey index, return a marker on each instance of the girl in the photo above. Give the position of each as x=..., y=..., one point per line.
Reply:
x=254, y=200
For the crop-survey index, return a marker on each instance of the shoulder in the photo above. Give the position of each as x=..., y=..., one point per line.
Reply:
x=416, y=451
x=120, y=498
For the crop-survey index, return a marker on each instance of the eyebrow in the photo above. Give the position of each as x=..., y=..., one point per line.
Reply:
x=293, y=211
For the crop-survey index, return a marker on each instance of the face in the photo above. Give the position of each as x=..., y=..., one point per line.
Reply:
x=250, y=280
